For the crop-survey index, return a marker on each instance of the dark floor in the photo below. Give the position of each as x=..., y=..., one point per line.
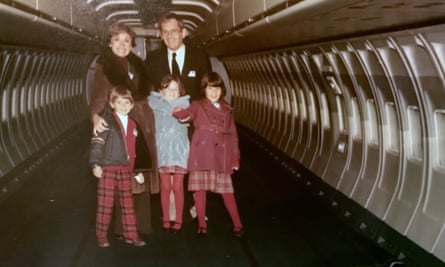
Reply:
x=50, y=222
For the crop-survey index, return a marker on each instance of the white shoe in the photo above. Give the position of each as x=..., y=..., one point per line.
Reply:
x=193, y=213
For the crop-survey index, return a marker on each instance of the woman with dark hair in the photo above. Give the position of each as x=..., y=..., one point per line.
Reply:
x=117, y=66
x=214, y=152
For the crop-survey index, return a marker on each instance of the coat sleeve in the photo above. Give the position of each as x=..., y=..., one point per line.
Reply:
x=143, y=161
x=188, y=114
x=99, y=98
x=143, y=88
x=235, y=153
x=182, y=115
x=97, y=147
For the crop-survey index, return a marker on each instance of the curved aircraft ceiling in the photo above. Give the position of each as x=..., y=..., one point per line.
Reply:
x=222, y=27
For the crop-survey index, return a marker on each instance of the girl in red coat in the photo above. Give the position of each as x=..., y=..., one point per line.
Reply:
x=214, y=152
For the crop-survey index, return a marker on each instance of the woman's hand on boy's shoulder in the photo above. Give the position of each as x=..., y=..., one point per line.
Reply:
x=99, y=124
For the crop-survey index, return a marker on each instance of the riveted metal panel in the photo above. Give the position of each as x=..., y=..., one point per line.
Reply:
x=59, y=10
x=224, y=15
x=30, y=3
x=271, y=3
x=246, y=9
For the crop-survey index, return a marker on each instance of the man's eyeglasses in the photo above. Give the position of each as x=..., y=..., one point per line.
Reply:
x=173, y=31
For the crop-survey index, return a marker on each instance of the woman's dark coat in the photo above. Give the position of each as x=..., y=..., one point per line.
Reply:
x=112, y=71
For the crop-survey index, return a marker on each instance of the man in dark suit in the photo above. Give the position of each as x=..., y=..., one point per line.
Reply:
x=192, y=63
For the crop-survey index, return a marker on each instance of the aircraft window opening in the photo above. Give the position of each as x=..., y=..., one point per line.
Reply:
x=294, y=104
x=30, y=106
x=40, y=94
x=391, y=129
x=325, y=121
x=259, y=98
x=79, y=87
x=35, y=99
x=439, y=119
x=247, y=94
x=14, y=103
x=414, y=135
x=342, y=116
x=356, y=129
x=52, y=92
x=66, y=94
x=5, y=106
x=72, y=92
x=287, y=102
x=341, y=122
x=256, y=95
x=61, y=94
x=287, y=73
x=371, y=123
x=268, y=98
x=23, y=101
x=283, y=100
x=48, y=101
x=276, y=100
x=313, y=111
x=43, y=93
x=265, y=98
x=56, y=96
x=72, y=85
x=439, y=48
x=302, y=105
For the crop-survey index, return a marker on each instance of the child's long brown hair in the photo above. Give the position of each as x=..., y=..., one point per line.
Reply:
x=167, y=79
x=212, y=79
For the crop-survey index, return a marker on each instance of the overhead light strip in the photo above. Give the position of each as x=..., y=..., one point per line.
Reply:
x=118, y=2
x=129, y=21
x=187, y=13
x=122, y=12
x=192, y=3
x=189, y=22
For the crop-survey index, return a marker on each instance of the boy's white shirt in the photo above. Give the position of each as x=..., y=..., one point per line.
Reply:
x=124, y=121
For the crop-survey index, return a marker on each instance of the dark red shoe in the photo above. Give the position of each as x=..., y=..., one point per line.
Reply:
x=166, y=226
x=238, y=232
x=177, y=227
x=202, y=232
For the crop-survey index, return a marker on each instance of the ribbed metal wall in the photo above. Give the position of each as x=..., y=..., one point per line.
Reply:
x=366, y=115
x=43, y=96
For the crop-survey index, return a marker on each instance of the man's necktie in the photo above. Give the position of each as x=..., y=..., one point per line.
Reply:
x=175, y=67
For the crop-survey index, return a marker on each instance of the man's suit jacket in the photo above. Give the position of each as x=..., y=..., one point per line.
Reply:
x=196, y=64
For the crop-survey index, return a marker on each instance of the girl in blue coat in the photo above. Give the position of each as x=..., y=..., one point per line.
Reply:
x=172, y=146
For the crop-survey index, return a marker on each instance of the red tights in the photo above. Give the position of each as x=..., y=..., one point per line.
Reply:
x=229, y=203
x=175, y=185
